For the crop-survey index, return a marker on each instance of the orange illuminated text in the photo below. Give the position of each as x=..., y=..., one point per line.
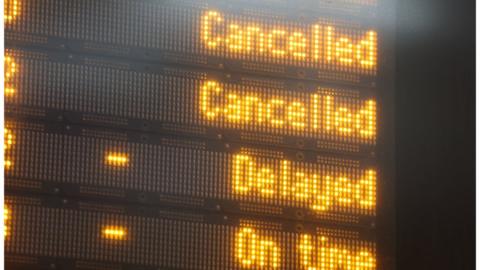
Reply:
x=320, y=189
x=317, y=43
x=309, y=115
x=253, y=250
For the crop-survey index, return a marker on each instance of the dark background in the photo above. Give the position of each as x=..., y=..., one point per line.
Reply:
x=435, y=134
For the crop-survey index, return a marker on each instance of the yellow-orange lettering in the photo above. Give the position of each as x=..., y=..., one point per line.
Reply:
x=207, y=32
x=208, y=89
x=276, y=39
x=317, y=189
x=253, y=250
x=296, y=114
x=243, y=173
x=297, y=45
x=366, y=51
x=274, y=112
x=313, y=46
x=313, y=115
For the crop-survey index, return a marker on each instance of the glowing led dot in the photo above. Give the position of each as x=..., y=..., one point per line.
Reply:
x=329, y=43
x=8, y=143
x=10, y=68
x=8, y=138
x=11, y=10
x=114, y=233
x=8, y=164
x=117, y=159
x=9, y=91
x=6, y=218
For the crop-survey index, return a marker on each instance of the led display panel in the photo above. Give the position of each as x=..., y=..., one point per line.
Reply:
x=163, y=98
x=190, y=172
x=98, y=236
x=199, y=134
x=205, y=34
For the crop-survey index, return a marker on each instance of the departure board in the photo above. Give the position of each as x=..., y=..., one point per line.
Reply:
x=146, y=134
x=198, y=33
x=341, y=119
x=165, y=238
x=265, y=180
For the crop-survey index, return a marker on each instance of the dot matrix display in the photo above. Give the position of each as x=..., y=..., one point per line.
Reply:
x=193, y=100
x=185, y=168
x=200, y=36
x=257, y=124
x=182, y=243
